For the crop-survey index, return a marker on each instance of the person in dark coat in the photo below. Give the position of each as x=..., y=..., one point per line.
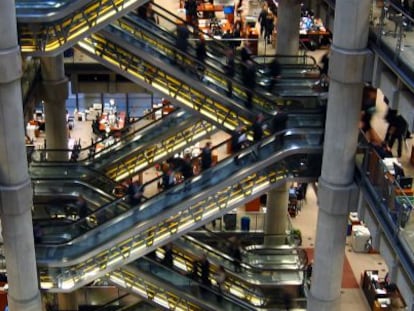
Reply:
x=275, y=69
x=82, y=206
x=269, y=26
x=206, y=157
x=258, y=128
x=324, y=68
x=191, y=12
x=280, y=124
x=201, y=53
x=201, y=271
x=135, y=192
x=249, y=81
x=238, y=139
x=168, y=259
x=187, y=171
x=262, y=20
x=397, y=131
x=245, y=52
x=230, y=71
x=237, y=29
x=181, y=41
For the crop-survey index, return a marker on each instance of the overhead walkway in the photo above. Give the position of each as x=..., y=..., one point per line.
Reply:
x=167, y=215
x=48, y=28
x=145, y=143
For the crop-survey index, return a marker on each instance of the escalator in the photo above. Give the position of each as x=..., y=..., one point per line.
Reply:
x=125, y=156
x=146, y=69
x=48, y=28
x=167, y=215
x=298, y=73
x=148, y=279
x=151, y=39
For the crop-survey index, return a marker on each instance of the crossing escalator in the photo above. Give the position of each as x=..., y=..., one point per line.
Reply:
x=155, y=282
x=126, y=57
x=298, y=73
x=118, y=239
x=145, y=143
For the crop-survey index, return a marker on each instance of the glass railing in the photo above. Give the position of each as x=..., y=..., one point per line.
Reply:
x=49, y=10
x=70, y=173
x=391, y=203
x=236, y=289
x=163, y=43
x=391, y=38
x=174, y=212
x=109, y=143
x=150, y=71
x=128, y=162
x=60, y=30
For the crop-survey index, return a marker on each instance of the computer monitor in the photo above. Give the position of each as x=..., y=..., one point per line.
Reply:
x=398, y=171
x=228, y=10
x=405, y=182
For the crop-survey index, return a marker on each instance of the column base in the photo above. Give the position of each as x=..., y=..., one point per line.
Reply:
x=316, y=304
x=33, y=304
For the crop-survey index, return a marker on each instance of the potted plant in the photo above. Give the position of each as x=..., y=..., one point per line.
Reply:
x=297, y=236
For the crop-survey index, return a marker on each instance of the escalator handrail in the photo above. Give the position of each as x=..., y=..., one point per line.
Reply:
x=97, y=142
x=133, y=209
x=211, y=68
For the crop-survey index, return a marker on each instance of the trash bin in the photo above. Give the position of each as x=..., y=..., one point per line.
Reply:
x=245, y=223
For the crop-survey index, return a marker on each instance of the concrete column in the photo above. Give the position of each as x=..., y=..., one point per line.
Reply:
x=276, y=216
x=15, y=184
x=337, y=191
x=55, y=93
x=288, y=19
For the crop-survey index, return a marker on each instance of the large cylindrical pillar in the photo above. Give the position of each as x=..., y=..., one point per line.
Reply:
x=276, y=223
x=15, y=185
x=55, y=93
x=288, y=19
x=337, y=191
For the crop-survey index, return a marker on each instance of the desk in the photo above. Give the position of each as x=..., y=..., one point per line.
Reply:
x=115, y=122
x=204, y=25
x=208, y=7
x=314, y=39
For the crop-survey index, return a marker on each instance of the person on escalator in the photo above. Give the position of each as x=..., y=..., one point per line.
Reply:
x=220, y=277
x=238, y=139
x=181, y=43
x=249, y=81
x=201, y=270
x=230, y=70
x=168, y=259
x=275, y=69
x=168, y=176
x=201, y=54
x=135, y=192
x=206, y=157
x=258, y=128
x=81, y=206
x=280, y=124
x=236, y=253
